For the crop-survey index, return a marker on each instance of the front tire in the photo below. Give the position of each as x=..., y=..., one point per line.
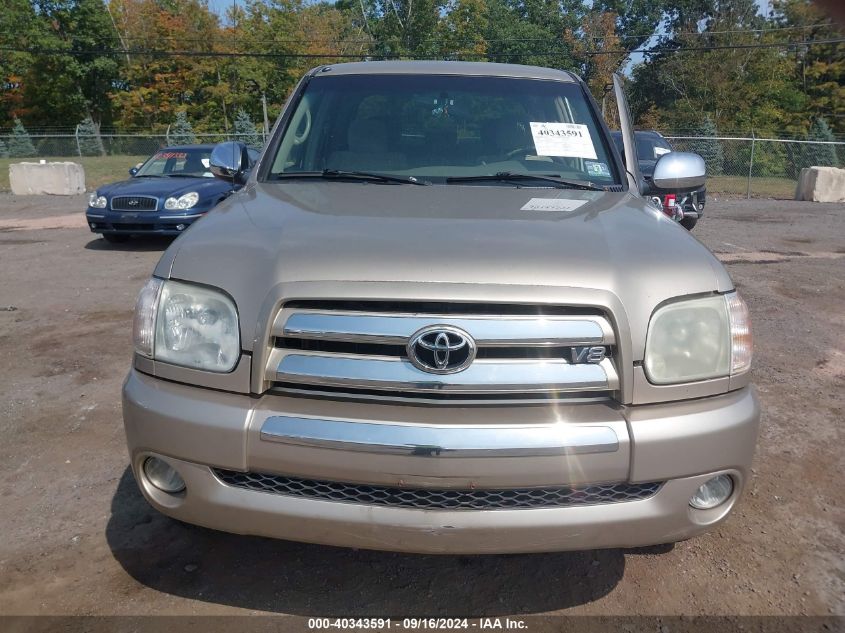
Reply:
x=689, y=223
x=115, y=238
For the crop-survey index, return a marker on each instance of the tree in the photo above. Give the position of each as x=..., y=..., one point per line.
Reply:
x=821, y=155
x=245, y=129
x=818, y=70
x=181, y=132
x=20, y=145
x=74, y=77
x=709, y=148
x=697, y=72
x=88, y=137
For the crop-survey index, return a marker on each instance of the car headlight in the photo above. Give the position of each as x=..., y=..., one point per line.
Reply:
x=96, y=201
x=188, y=325
x=698, y=339
x=185, y=201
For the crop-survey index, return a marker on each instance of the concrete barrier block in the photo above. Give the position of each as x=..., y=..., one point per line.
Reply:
x=821, y=184
x=58, y=179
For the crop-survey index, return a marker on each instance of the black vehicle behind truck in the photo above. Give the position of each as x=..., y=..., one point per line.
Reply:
x=686, y=208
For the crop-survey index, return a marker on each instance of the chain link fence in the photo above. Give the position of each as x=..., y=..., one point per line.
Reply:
x=70, y=145
x=736, y=166
x=758, y=167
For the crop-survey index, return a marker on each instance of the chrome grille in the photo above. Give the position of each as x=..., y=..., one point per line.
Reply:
x=134, y=203
x=441, y=499
x=360, y=348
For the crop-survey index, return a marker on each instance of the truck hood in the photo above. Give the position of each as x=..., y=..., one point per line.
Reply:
x=381, y=239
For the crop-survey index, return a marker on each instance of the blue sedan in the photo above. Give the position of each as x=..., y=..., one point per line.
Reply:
x=164, y=196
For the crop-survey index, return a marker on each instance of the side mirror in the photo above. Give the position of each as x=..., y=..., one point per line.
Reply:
x=133, y=171
x=230, y=161
x=679, y=172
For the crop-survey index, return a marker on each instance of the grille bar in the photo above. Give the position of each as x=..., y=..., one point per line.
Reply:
x=395, y=329
x=440, y=499
x=483, y=376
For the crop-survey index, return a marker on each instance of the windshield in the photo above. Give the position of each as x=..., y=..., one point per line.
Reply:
x=432, y=127
x=178, y=162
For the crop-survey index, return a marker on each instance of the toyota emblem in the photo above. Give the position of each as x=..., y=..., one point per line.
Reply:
x=441, y=349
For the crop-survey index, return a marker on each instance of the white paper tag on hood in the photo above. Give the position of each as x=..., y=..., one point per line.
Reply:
x=552, y=204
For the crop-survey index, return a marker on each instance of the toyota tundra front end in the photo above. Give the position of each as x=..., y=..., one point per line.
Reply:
x=440, y=317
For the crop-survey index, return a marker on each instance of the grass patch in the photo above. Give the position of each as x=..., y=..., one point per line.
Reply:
x=99, y=170
x=780, y=188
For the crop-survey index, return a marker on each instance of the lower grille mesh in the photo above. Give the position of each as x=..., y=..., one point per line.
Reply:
x=429, y=499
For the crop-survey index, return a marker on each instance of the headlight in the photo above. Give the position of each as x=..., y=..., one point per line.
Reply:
x=698, y=339
x=182, y=202
x=97, y=202
x=187, y=325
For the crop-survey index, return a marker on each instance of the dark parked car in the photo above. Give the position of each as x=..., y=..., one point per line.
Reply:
x=686, y=208
x=164, y=195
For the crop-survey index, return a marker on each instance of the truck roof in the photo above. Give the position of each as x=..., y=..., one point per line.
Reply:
x=486, y=69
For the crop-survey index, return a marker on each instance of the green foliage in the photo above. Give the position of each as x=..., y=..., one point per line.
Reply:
x=20, y=144
x=88, y=135
x=181, y=131
x=245, y=129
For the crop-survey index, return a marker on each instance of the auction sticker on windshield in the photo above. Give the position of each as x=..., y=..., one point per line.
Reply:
x=568, y=140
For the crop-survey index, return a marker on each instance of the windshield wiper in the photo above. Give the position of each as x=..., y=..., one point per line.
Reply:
x=354, y=175
x=185, y=176
x=505, y=176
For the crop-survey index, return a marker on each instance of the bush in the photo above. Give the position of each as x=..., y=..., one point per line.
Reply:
x=20, y=144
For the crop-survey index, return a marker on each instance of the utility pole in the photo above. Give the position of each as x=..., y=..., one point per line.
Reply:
x=266, y=120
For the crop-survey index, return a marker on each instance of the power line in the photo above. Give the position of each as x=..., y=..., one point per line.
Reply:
x=335, y=55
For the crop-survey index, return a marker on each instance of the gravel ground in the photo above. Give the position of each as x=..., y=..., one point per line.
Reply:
x=79, y=539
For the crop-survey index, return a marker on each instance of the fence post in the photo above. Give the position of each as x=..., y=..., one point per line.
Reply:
x=76, y=136
x=750, y=167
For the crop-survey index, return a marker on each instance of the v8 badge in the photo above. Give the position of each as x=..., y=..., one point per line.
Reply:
x=587, y=354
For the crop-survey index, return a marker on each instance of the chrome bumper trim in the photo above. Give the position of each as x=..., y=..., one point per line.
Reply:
x=441, y=441
x=489, y=331
x=483, y=376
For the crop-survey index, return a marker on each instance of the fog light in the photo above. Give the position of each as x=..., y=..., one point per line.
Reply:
x=713, y=492
x=163, y=476
x=180, y=227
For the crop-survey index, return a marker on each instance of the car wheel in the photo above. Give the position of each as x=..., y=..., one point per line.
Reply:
x=689, y=223
x=114, y=238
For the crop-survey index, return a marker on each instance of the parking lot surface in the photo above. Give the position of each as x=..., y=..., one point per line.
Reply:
x=78, y=538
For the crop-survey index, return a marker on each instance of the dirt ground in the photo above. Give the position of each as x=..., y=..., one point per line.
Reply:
x=78, y=538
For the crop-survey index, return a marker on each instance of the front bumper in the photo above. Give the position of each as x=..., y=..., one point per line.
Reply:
x=142, y=222
x=679, y=444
